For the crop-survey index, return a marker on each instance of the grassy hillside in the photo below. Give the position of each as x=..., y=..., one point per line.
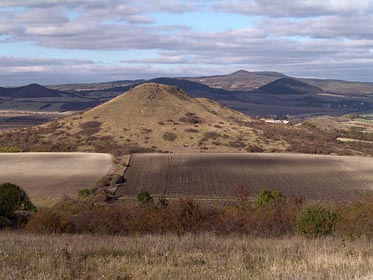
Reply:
x=163, y=117
x=153, y=117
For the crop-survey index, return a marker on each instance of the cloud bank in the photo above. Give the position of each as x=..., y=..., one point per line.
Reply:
x=329, y=38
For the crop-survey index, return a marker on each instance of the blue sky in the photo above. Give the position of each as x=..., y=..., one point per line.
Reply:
x=65, y=41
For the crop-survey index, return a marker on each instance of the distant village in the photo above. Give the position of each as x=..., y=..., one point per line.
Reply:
x=275, y=119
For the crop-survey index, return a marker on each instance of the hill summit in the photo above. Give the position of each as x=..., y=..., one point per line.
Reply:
x=29, y=91
x=149, y=104
x=290, y=86
x=156, y=117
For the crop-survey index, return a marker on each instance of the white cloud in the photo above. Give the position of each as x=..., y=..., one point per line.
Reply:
x=327, y=34
x=294, y=8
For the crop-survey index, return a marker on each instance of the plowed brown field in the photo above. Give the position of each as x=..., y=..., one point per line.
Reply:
x=219, y=175
x=52, y=175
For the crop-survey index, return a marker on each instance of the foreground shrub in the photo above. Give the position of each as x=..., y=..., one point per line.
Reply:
x=267, y=196
x=13, y=198
x=9, y=149
x=59, y=218
x=276, y=217
x=47, y=221
x=84, y=193
x=145, y=198
x=279, y=217
x=316, y=220
x=169, y=136
x=356, y=219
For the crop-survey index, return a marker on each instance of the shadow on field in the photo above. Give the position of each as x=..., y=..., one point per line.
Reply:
x=219, y=175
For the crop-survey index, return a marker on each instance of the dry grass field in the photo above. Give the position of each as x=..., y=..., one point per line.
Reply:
x=218, y=175
x=327, y=122
x=52, y=175
x=200, y=256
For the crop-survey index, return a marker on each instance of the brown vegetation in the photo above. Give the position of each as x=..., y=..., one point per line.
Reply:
x=192, y=257
x=271, y=214
x=310, y=139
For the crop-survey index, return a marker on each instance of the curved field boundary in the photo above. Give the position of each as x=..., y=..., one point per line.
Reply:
x=219, y=175
x=53, y=175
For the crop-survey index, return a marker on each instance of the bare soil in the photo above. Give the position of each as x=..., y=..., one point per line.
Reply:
x=219, y=175
x=53, y=175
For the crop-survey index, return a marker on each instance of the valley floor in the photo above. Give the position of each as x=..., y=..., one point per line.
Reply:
x=200, y=256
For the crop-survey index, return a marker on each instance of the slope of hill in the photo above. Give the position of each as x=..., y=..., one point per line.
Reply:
x=194, y=89
x=246, y=81
x=30, y=91
x=160, y=118
x=338, y=86
x=289, y=86
x=150, y=117
x=95, y=86
x=163, y=117
x=37, y=98
x=239, y=80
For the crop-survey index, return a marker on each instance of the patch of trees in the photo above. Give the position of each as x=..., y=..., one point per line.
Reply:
x=14, y=206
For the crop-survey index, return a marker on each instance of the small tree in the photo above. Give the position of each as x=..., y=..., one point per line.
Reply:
x=13, y=198
x=145, y=198
x=267, y=196
x=84, y=193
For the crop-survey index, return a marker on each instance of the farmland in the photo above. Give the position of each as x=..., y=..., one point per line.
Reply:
x=52, y=175
x=219, y=175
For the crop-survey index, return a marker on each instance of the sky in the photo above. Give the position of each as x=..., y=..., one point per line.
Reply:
x=82, y=41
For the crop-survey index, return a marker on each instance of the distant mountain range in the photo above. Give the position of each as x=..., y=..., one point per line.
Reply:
x=247, y=81
x=253, y=93
x=31, y=91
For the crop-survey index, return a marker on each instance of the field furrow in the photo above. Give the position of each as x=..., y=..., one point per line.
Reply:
x=219, y=175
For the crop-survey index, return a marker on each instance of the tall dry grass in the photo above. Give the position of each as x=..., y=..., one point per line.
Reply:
x=190, y=256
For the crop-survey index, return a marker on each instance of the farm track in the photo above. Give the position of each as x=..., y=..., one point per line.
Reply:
x=219, y=175
x=53, y=175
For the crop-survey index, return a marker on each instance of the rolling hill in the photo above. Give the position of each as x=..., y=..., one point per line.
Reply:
x=246, y=81
x=241, y=91
x=149, y=117
x=160, y=118
x=37, y=98
x=30, y=91
x=194, y=89
x=157, y=116
x=289, y=86
x=240, y=80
